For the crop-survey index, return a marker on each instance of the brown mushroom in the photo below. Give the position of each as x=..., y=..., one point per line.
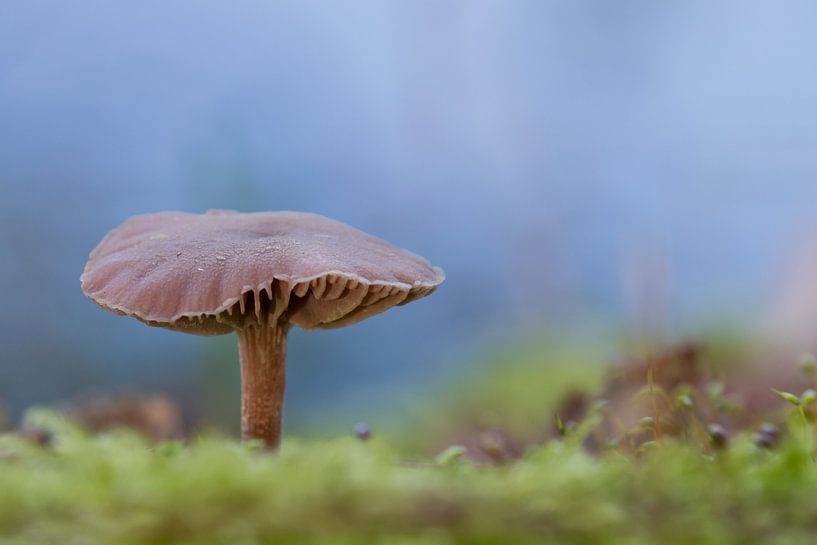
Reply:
x=258, y=275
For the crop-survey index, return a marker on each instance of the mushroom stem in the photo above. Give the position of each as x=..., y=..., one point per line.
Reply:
x=262, y=352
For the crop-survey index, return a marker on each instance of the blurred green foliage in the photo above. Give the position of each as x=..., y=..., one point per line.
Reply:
x=114, y=488
x=485, y=460
x=517, y=388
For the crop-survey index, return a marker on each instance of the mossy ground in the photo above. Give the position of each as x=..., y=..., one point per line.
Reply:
x=668, y=487
x=114, y=488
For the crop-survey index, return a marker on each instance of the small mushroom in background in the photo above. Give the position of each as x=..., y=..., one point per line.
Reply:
x=257, y=274
x=362, y=431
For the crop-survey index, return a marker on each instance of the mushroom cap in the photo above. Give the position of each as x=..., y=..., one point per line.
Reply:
x=209, y=274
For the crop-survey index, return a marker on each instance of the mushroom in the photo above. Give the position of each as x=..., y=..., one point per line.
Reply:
x=257, y=274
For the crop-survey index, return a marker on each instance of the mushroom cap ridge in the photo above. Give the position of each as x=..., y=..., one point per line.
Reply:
x=209, y=274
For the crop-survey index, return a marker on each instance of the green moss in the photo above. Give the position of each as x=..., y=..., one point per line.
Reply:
x=518, y=389
x=595, y=483
x=114, y=488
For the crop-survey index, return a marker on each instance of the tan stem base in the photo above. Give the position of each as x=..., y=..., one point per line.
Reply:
x=262, y=352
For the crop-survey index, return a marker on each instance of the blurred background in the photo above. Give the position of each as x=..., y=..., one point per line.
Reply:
x=585, y=172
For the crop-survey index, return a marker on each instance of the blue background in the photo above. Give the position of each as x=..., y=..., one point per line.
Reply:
x=639, y=165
